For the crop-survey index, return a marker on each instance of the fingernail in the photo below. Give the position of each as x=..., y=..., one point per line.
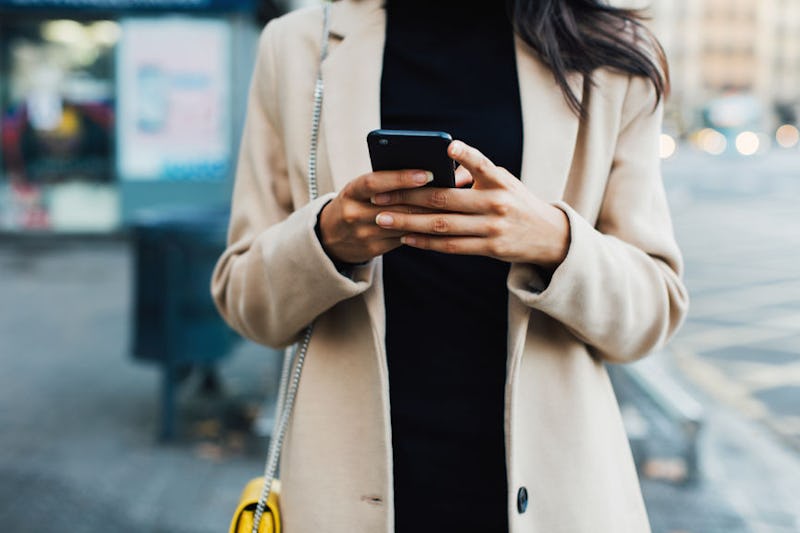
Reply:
x=381, y=198
x=423, y=177
x=457, y=147
x=408, y=240
x=384, y=220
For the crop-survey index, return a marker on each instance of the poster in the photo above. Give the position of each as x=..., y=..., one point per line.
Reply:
x=173, y=110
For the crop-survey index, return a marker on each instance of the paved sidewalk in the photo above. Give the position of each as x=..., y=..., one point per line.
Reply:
x=748, y=478
x=79, y=416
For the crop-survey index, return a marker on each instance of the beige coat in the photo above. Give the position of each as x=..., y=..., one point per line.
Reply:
x=617, y=296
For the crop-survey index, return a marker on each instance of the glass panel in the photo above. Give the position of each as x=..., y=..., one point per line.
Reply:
x=57, y=125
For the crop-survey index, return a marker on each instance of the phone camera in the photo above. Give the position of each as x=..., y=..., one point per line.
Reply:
x=383, y=142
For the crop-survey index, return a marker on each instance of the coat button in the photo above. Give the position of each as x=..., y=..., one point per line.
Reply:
x=522, y=499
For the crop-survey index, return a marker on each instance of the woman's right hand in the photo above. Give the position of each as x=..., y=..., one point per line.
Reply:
x=348, y=227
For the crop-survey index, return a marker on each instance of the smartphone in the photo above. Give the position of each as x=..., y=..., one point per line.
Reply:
x=411, y=149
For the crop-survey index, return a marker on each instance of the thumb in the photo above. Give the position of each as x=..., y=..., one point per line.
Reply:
x=480, y=167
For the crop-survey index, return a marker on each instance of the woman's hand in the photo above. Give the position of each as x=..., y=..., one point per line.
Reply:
x=498, y=217
x=347, y=223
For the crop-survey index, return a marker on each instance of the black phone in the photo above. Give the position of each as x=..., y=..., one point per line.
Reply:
x=413, y=149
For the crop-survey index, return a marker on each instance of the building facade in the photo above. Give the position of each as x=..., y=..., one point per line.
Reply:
x=717, y=49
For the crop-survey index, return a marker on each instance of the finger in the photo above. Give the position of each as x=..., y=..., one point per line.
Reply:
x=479, y=166
x=439, y=199
x=368, y=185
x=411, y=209
x=386, y=245
x=362, y=214
x=381, y=233
x=463, y=178
x=448, y=245
x=437, y=223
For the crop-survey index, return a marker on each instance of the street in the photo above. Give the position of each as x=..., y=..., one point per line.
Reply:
x=78, y=451
x=738, y=223
x=742, y=339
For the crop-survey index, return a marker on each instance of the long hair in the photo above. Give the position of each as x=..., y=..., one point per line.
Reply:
x=583, y=35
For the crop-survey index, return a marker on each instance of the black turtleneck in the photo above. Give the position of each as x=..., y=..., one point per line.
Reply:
x=449, y=66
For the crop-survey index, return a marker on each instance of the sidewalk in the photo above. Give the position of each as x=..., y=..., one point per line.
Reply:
x=748, y=478
x=79, y=416
x=78, y=450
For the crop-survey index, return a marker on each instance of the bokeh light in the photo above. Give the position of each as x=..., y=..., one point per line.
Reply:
x=747, y=143
x=105, y=32
x=712, y=141
x=788, y=136
x=668, y=146
x=64, y=32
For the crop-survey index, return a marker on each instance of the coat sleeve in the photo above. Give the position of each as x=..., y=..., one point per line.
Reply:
x=619, y=288
x=274, y=278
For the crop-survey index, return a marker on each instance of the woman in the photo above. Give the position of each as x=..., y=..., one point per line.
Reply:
x=455, y=380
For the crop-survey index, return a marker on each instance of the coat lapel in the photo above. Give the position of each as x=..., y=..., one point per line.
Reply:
x=351, y=108
x=352, y=78
x=550, y=133
x=550, y=126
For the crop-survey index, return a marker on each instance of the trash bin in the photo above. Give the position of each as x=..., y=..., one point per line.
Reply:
x=176, y=324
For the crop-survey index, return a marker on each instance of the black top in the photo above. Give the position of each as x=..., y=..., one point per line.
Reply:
x=449, y=66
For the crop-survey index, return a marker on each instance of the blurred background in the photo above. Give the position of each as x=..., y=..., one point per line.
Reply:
x=125, y=403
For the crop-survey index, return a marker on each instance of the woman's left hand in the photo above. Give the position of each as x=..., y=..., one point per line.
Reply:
x=498, y=217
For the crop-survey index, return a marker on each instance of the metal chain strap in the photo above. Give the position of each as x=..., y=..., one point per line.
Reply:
x=287, y=391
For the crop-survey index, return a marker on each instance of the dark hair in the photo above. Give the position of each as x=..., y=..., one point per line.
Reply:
x=583, y=35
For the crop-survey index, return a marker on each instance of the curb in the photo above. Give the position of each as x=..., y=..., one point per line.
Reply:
x=667, y=407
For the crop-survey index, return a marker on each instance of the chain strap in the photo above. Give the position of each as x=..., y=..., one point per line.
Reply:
x=287, y=391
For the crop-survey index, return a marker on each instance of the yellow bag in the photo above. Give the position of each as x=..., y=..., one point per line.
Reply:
x=255, y=495
x=245, y=513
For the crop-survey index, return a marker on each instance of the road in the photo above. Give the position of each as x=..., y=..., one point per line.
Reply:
x=741, y=244
x=738, y=224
